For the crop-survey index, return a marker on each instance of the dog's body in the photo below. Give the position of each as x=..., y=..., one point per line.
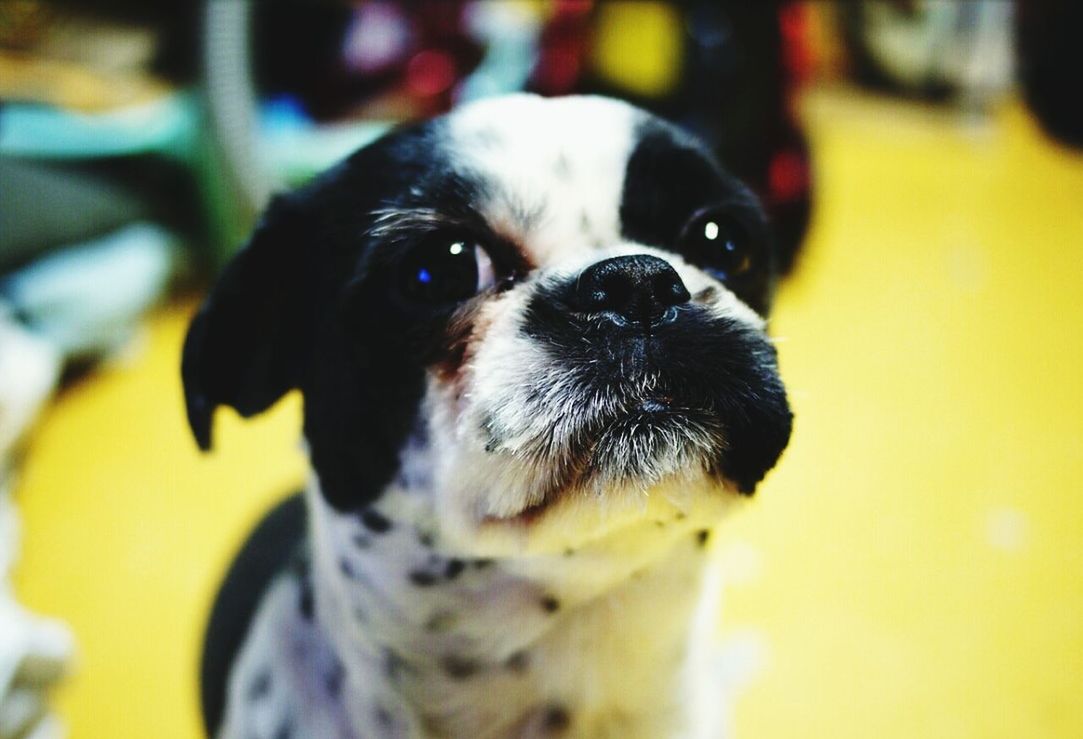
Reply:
x=532, y=388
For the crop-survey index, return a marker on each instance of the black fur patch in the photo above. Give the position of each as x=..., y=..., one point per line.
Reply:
x=285, y=730
x=333, y=678
x=459, y=668
x=311, y=303
x=668, y=179
x=305, y=602
x=556, y=719
x=518, y=662
x=383, y=717
x=423, y=579
x=260, y=686
x=375, y=521
x=395, y=665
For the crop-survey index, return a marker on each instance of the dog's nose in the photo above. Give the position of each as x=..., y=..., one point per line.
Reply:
x=637, y=289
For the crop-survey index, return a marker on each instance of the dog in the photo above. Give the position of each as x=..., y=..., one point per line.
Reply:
x=530, y=338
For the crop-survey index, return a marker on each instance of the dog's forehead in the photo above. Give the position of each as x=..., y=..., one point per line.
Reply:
x=553, y=169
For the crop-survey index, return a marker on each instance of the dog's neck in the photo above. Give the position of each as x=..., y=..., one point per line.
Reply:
x=585, y=642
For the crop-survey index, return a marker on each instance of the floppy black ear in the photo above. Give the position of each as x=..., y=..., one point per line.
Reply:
x=249, y=343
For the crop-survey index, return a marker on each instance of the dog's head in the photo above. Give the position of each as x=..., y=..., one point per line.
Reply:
x=525, y=307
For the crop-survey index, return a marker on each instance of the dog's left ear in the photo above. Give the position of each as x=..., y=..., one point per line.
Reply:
x=249, y=343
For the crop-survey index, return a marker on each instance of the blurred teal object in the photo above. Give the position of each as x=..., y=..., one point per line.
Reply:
x=87, y=299
x=166, y=126
x=509, y=34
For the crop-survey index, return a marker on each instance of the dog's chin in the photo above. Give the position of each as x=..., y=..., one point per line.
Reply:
x=647, y=499
x=648, y=444
x=626, y=455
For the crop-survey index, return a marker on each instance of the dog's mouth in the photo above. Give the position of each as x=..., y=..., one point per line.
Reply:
x=627, y=447
x=599, y=418
x=655, y=437
x=653, y=446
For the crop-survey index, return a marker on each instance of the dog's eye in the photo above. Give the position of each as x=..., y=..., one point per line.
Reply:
x=719, y=243
x=442, y=270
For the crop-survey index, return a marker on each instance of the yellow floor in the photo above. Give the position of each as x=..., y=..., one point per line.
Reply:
x=913, y=569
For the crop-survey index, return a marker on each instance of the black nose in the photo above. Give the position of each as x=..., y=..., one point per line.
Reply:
x=638, y=288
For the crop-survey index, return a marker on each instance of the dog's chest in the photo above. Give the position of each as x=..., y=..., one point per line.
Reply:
x=543, y=647
x=401, y=641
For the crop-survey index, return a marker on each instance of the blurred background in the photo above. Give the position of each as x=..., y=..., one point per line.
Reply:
x=913, y=568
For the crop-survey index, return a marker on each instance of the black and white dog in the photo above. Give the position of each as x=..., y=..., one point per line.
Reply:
x=530, y=340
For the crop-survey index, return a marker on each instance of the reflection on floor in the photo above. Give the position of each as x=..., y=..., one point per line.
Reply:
x=913, y=569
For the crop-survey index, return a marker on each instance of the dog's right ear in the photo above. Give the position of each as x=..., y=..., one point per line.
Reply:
x=249, y=343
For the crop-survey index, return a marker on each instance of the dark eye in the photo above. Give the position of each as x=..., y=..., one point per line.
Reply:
x=719, y=243
x=442, y=269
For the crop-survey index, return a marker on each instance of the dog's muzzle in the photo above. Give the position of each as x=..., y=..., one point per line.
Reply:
x=641, y=380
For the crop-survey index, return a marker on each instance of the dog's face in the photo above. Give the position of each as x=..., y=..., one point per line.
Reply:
x=533, y=310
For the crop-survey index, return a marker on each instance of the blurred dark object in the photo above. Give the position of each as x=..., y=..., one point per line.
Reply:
x=169, y=31
x=376, y=58
x=935, y=51
x=740, y=66
x=864, y=23
x=1049, y=51
x=563, y=48
x=85, y=206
